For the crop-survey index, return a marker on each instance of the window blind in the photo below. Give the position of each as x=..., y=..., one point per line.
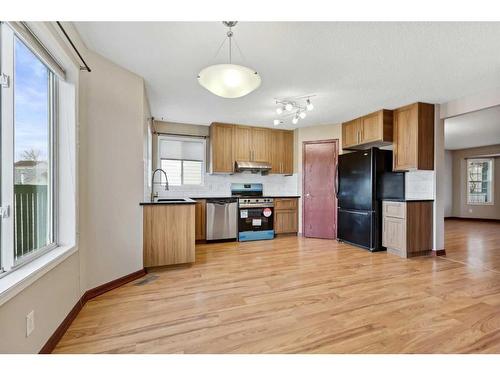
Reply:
x=182, y=149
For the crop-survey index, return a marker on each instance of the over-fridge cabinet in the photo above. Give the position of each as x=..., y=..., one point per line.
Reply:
x=229, y=143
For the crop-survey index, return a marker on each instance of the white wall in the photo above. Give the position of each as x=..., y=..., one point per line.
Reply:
x=51, y=297
x=111, y=161
x=439, y=186
x=448, y=183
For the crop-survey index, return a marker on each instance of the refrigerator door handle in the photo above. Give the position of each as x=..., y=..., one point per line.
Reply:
x=336, y=181
x=363, y=213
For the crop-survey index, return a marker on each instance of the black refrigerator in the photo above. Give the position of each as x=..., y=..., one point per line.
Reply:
x=359, y=219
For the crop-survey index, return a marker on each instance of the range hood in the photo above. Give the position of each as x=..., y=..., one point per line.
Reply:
x=252, y=166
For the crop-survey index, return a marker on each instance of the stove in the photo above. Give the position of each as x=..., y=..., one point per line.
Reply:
x=255, y=212
x=255, y=202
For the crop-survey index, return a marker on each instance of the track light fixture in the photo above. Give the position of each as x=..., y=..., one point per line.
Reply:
x=296, y=107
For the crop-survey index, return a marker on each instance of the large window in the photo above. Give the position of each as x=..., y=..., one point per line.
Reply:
x=480, y=181
x=27, y=166
x=183, y=159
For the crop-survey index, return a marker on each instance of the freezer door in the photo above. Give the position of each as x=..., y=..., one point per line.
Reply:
x=355, y=191
x=356, y=227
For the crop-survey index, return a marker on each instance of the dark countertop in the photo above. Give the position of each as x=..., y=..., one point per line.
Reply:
x=408, y=200
x=187, y=201
x=190, y=200
x=264, y=196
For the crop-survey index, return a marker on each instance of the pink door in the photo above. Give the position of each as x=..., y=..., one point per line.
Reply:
x=319, y=210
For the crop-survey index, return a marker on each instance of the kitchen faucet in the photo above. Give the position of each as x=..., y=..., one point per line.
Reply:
x=153, y=195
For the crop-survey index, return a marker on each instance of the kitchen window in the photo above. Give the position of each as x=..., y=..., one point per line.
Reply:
x=480, y=181
x=183, y=160
x=27, y=148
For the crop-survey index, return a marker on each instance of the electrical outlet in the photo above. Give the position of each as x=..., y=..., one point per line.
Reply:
x=470, y=210
x=30, y=323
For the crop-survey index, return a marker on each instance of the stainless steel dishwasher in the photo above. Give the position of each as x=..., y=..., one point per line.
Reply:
x=222, y=219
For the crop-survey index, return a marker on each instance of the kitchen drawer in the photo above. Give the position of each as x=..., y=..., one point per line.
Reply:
x=394, y=209
x=285, y=204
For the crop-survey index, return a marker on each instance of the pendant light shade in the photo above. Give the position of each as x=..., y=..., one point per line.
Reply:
x=229, y=80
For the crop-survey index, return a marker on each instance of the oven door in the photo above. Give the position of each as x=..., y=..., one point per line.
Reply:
x=256, y=223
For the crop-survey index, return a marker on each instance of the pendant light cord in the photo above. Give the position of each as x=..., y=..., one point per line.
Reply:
x=229, y=35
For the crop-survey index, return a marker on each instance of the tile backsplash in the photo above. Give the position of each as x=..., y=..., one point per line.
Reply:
x=419, y=185
x=217, y=185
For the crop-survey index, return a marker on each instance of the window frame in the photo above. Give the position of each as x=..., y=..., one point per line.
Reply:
x=8, y=262
x=491, y=181
x=186, y=138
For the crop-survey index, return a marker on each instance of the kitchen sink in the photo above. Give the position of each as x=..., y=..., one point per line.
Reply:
x=173, y=200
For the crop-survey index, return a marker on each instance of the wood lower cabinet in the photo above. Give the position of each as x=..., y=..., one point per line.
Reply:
x=286, y=215
x=414, y=137
x=200, y=219
x=168, y=234
x=407, y=227
x=375, y=129
x=282, y=152
x=221, y=148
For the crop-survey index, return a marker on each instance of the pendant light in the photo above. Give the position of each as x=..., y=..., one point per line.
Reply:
x=229, y=80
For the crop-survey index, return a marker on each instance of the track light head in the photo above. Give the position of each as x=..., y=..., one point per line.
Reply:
x=289, y=106
x=309, y=105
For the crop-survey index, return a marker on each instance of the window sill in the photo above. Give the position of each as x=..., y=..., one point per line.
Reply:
x=19, y=279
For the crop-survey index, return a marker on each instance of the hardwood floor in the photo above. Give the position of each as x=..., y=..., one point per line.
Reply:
x=298, y=295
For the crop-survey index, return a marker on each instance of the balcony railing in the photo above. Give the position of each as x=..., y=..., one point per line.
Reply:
x=31, y=218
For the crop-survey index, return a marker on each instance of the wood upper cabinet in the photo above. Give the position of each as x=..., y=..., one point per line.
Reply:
x=281, y=151
x=230, y=143
x=350, y=133
x=200, y=219
x=251, y=143
x=414, y=137
x=221, y=148
x=375, y=129
x=287, y=152
x=261, y=144
x=242, y=143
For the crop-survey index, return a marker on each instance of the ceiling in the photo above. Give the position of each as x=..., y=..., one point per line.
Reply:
x=475, y=129
x=353, y=68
